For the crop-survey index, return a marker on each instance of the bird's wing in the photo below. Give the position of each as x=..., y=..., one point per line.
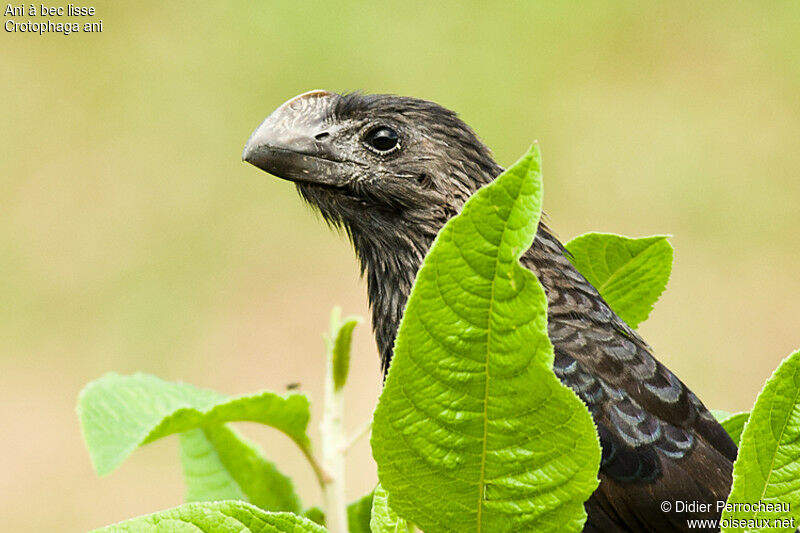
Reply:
x=645, y=460
x=659, y=441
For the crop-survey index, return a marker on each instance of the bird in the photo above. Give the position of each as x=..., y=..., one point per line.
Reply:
x=390, y=171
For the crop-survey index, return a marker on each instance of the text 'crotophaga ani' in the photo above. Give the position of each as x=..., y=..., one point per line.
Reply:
x=391, y=171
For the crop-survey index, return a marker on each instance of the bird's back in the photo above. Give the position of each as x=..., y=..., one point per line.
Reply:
x=659, y=441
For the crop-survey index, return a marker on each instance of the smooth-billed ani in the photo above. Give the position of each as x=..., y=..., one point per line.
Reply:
x=391, y=171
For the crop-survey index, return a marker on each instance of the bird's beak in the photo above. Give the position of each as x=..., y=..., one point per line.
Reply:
x=294, y=142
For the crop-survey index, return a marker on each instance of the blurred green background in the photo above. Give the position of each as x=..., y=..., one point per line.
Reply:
x=132, y=238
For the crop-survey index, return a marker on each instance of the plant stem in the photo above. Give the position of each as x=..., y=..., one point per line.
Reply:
x=333, y=451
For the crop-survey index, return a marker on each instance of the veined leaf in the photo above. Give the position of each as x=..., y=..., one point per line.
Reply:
x=473, y=431
x=630, y=274
x=219, y=464
x=219, y=517
x=120, y=413
x=383, y=519
x=767, y=469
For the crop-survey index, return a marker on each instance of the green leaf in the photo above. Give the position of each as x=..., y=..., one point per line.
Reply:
x=383, y=518
x=768, y=466
x=219, y=517
x=120, y=413
x=219, y=464
x=315, y=514
x=473, y=431
x=719, y=414
x=341, y=337
x=359, y=513
x=733, y=423
x=630, y=274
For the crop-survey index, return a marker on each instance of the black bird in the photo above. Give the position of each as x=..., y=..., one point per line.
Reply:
x=390, y=171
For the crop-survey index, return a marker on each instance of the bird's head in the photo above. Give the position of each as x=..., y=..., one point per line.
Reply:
x=388, y=170
x=380, y=166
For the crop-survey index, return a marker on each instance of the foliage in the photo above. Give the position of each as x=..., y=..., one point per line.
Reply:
x=120, y=413
x=487, y=439
x=630, y=274
x=383, y=518
x=218, y=464
x=473, y=431
x=359, y=514
x=341, y=336
x=220, y=517
x=768, y=467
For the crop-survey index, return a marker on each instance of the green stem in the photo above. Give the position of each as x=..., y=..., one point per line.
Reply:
x=333, y=452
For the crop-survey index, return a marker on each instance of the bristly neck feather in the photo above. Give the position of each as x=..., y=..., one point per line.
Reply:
x=390, y=261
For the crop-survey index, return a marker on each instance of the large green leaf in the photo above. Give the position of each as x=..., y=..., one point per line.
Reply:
x=219, y=517
x=767, y=469
x=630, y=274
x=218, y=464
x=120, y=413
x=473, y=431
x=382, y=518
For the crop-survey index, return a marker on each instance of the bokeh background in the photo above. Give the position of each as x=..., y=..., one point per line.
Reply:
x=132, y=238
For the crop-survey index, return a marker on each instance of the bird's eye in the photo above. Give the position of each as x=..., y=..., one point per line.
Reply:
x=382, y=139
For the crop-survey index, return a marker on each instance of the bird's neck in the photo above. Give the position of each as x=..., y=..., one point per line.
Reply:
x=390, y=260
x=390, y=264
